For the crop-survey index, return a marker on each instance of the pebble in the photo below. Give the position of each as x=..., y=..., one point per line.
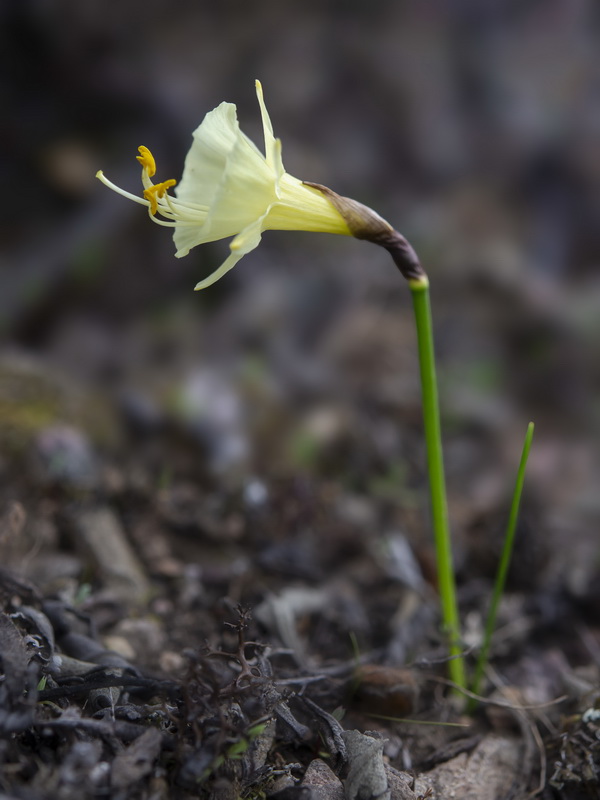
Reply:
x=62, y=455
x=101, y=535
x=323, y=782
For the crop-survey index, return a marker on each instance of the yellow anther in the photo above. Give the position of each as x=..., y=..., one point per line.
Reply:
x=155, y=192
x=147, y=161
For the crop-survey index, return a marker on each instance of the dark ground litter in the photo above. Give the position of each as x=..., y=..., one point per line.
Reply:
x=218, y=584
x=217, y=569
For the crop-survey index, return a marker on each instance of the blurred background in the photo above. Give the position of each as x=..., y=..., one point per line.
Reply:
x=472, y=126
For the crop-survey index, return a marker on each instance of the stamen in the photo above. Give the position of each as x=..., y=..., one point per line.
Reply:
x=156, y=192
x=147, y=161
x=101, y=177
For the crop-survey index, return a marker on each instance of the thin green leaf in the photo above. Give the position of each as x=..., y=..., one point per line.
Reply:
x=503, y=566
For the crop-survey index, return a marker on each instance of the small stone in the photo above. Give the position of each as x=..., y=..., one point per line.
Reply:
x=256, y=493
x=141, y=413
x=100, y=533
x=171, y=662
x=400, y=784
x=493, y=769
x=323, y=782
x=387, y=691
x=63, y=456
x=210, y=409
x=121, y=646
x=367, y=779
x=144, y=636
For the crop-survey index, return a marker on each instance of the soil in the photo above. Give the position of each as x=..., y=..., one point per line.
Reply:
x=218, y=570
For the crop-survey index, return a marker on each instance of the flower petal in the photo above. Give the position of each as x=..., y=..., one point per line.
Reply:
x=245, y=191
x=272, y=145
x=243, y=243
x=213, y=140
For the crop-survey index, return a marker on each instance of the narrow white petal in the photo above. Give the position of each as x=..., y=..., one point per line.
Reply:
x=250, y=237
x=243, y=243
x=272, y=145
x=228, y=264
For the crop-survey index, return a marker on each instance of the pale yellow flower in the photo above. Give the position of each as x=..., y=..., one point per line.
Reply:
x=229, y=188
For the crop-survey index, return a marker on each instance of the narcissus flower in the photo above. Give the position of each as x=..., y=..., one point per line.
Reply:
x=229, y=188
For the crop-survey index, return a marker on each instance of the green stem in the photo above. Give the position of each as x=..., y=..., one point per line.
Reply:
x=437, y=484
x=503, y=566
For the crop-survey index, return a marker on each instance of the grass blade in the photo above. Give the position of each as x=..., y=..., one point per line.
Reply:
x=503, y=566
